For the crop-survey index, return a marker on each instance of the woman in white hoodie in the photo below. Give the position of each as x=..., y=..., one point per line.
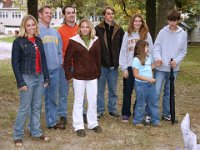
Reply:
x=171, y=43
x=137, y=30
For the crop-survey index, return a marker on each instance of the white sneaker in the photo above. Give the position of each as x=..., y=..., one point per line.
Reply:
x=147, y=120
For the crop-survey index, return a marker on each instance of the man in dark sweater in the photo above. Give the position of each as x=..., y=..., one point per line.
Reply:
x=110, y=35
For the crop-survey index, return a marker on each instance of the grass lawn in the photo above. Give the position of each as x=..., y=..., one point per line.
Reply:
x=116, y=134
x=8, y=39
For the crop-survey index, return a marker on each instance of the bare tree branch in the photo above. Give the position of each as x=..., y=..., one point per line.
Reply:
x=124, y=8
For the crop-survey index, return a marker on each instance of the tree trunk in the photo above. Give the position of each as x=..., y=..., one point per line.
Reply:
x=163, y=9
x=151, y=16
x=32, y=6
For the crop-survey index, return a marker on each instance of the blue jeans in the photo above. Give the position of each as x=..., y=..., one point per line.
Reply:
x=30, y=102
x=111, y=76
x=128, y=85
x=145, y=94
x=51, y=91
x=163, y=78
x=63, y=93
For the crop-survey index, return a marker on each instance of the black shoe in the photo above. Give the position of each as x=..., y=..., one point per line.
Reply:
x=85, y=118
x=63, y=120
x=99, y=116
x=58, y=126
x=62, y=123
x=97, y=129
x=114, y=114
x=80, y=133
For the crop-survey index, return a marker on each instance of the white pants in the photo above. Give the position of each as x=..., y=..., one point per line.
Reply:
x=79, y=91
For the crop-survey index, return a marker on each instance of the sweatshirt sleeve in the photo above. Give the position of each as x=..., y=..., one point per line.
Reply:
x=150, y=42
x=68, y=60
x=157, y=47
x=123, y=60
x=183, y=50
x=60, y=49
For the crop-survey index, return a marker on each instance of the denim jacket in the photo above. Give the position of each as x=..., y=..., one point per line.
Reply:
x=23, y=59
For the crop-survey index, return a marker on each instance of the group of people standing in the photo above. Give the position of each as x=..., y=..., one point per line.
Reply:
x=45, y=61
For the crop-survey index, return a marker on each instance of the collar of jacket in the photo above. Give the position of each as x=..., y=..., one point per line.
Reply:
x=24, y=40
x=78, y=39
x=116, y=28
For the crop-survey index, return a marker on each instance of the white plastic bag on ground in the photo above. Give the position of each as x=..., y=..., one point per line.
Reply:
x=190, y=139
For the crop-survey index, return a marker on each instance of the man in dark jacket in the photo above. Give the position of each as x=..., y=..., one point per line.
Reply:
x=110, y=35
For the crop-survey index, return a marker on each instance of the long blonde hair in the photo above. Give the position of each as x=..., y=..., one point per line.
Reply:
x=92, y=30
x=22, y=31
x=143, y=29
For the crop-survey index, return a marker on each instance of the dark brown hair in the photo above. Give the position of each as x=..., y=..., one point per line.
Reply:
x=173, y=15
x=143, y=29
x=42, y=8
x=139, y=51
x=108, y=7
x=68, y=6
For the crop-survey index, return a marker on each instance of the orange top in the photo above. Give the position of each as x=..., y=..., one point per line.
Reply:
x=66, y=32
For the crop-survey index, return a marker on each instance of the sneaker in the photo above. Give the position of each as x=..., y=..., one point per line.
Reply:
x=62, y=123
x=97, y=129
x=63, y=120
x=139, y=125
x=147, y=120
x=57, y=126
x=125, y=118
x=166, y=118
x=18, y=142
x=99, y=116
x=80, y=133
x=85, y=118
x=113, y=114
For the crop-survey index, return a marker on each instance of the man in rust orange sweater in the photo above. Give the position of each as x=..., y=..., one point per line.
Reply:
x=67, y=30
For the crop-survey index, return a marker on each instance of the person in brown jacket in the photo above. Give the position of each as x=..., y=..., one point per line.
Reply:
x=110, y=35
x=84, y=50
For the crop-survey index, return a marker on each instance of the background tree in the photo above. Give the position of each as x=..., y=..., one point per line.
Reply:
x=163, y=9
x=151, y=16
x=32, y=6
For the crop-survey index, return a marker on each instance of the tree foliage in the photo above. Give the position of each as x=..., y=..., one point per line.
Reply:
x=155, y=11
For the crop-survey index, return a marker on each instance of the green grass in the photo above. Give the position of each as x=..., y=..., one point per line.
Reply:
x=9, y=39
x=190, y=67
x=8, y=88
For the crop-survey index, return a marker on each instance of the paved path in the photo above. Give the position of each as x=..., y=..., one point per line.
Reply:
x=5, y=50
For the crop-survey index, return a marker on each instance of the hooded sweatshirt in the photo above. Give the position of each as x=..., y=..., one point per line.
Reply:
x=128, y=46
x=52, y=43
x=170, y=44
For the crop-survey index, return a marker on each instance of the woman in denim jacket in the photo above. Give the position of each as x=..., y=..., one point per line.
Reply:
x=30, y=69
